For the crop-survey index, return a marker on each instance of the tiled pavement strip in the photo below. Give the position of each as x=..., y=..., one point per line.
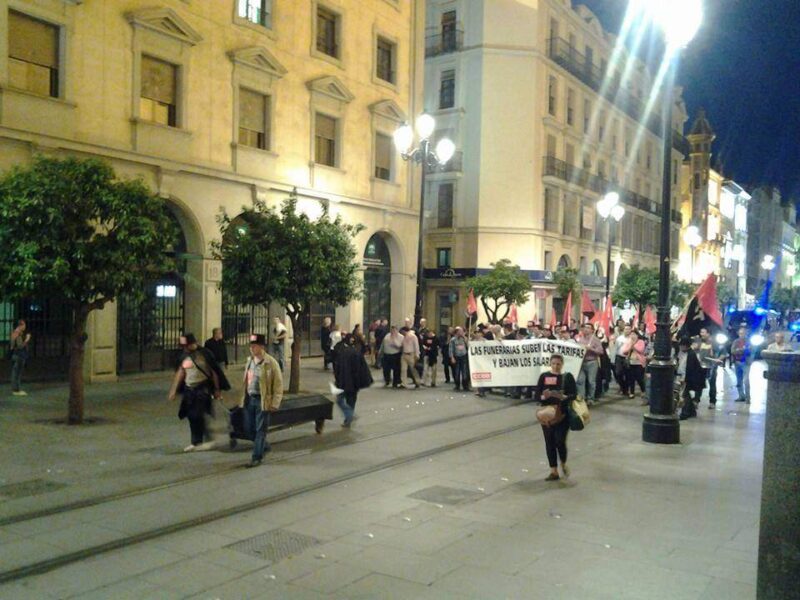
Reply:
x=635, y=521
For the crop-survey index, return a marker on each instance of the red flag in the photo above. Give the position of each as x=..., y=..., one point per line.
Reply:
x=649, y=320
x=707, y=299
x=567, y=311
x=587, y=307
x=512, y=315
x=608, y=316
x=472, y=304
x=553, y=321
x=636, y=316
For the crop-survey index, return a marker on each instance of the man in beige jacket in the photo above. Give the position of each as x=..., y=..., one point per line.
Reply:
x=262, y=394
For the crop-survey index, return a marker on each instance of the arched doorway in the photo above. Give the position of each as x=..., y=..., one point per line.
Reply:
x=564, y=262
x=377, y=280
x=149, y=326
x=597, y=269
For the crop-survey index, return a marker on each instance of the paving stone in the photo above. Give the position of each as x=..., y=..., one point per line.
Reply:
x=385, y=587
x=440, y=494
x=331, y=578
x=403, y=564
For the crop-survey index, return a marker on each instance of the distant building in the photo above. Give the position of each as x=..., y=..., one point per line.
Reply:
x=765, y=226
x=547, y=119
x=788, y=266
x=717, y=207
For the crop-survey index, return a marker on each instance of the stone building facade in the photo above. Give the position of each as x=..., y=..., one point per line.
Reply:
x=548, y=113
x=214, y=104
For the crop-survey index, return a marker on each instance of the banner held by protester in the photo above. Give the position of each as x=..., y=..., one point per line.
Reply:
x=515, y=363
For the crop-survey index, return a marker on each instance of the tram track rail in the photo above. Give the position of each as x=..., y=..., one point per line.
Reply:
x=227, y=469
x=44, y=566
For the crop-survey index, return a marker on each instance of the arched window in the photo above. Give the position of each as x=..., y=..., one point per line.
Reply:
x=597, y=269
x=564, y=262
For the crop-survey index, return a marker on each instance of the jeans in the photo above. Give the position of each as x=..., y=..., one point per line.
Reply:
x=278, y=354
x=17, y=365
x=347, y=402
x=461, y=372
x=711, y=374
x=587, y=379
x=742, y=380
x=256, y=421
x=555, y=441
x=634, y=375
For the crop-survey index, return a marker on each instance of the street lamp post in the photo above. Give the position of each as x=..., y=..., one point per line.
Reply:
x=679, y=20
x=768, y=264
x=609, y=208
x=693, y=239
x=427, y=157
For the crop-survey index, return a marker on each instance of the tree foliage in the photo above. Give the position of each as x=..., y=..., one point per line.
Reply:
x=568, y=280
x=71, y=230
x=503, y=286
x=726, y=295
x=785, y=299
x=638, y=284
x=679, y=291
x=283, y=256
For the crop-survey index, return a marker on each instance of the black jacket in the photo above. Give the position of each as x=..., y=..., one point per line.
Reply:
x=218, y=349
x=350, y=369
x=429, y=346
x=325, y=339
x=695, y=374
x=209, y=356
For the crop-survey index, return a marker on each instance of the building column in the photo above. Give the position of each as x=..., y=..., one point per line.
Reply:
x=348, y=316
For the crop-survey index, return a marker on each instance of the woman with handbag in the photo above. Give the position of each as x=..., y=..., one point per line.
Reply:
x=555, y=390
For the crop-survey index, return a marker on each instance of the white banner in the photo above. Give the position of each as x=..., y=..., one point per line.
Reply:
x=510, y=363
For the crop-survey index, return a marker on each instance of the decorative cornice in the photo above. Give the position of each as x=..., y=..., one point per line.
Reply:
x=330, y=86
x=259, y=58
x=388, y=109
x=166, y=22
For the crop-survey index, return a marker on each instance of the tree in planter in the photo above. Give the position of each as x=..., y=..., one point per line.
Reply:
x=71, y=229
x=505, y=285
x=286, y=257
x=638, y=285
x=568, y=281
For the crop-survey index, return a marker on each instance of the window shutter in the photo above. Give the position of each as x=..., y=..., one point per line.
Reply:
x=252, y=110
x=32, y=40
x=158, y=80
x=383, y=152
x=326, y=127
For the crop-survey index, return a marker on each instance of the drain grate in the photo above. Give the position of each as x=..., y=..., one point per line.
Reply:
x=32, y=487
x=440, y=494
x=274, y=545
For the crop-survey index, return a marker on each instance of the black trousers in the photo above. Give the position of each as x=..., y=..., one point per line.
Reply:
x=711, y=375
x=198, y=406
x=635, y=375
x=555, y=442
x=391, y=369
x=621, y=374
x=448, y=368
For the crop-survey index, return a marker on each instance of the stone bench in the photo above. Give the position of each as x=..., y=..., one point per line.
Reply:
x=296, y=409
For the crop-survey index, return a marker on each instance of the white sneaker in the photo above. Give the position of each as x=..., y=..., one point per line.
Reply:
x=19, y=393
x=189, y=448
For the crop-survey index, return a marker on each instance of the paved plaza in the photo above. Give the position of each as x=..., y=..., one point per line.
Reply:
x=431, y=494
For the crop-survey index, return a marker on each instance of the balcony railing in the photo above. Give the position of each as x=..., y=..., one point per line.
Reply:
x=567, y=56
x=555, y=167
x=444, y=42
x=454, y=165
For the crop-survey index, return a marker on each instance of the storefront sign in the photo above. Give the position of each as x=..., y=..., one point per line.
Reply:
x=519, y=362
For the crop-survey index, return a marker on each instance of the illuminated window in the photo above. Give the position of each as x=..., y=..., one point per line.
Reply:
x=158, y=98
x=383, y=157
x=166, y=291
x=32, y=55
x=256, y=11
x=325, y=134
x=253, y=119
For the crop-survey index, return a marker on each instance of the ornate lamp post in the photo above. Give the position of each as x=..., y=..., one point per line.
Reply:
x=693, y=239
x=426, y=156
x=608, y=207
x=679, y=20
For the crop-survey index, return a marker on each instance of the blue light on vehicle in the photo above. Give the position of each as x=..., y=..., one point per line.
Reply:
x=760, y=311
x=795, y=326
x=731, y=310
x=756, y=339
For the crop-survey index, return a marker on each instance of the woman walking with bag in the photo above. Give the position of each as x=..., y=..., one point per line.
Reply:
x=555, y=391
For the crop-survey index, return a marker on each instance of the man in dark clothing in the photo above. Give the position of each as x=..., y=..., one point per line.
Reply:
x=352, y=374
x=380, y=333
x=325, y=342
x=444, y=344
x=216, y=343
x=430, y=357
x=198, y=377
x=692, y=376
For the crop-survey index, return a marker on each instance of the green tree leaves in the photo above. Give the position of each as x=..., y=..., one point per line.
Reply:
x=505, y=285
x=284, y=256
x=70, y=229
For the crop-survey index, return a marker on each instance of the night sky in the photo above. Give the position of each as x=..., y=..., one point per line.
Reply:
x=744, y=69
